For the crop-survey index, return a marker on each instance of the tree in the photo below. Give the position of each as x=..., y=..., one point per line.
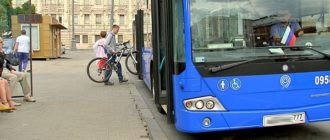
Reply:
x=5, y=13
x=25, y=9
x=7, y=10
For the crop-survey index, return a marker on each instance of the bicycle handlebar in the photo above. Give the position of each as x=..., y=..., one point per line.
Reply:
x=124, y=43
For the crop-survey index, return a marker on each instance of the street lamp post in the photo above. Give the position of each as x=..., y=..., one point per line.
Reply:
x=30, y=23
x=73, y=41
x=112, y=12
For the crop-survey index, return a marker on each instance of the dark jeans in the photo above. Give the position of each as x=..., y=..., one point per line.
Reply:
x=108, y=71
x=23, y=58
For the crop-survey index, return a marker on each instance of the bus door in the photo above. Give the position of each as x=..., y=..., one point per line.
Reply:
x=149, y=38
x=159, y=60
x=162, y=56
x=138, y=40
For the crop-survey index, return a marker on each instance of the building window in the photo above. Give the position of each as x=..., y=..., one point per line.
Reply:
x=120, y=38
x=85, y=38
x=122, y=2
x=35, y=33
x=53, y=15
x=60, y=19
x=146, y=18
x=76, y=19
x=121, y=19
x=86, y=18
x=98, y=18
x=145, y=37
x=77, y=38
x=98, y=2
x=97, y=37
x=86, y=2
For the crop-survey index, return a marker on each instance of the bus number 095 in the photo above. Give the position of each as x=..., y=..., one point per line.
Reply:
x=322, y=80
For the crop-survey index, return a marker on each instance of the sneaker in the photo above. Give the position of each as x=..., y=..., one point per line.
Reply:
x=122, y=81
x=108, y=83
x=29, y=99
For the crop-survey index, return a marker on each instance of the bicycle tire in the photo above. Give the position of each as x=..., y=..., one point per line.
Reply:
x=131, y=69
x=99, y=68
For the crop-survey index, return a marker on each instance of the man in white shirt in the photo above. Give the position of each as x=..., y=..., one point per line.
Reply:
x=22, y=47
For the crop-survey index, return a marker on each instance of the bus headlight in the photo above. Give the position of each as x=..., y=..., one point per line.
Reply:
x=199, y=104
x=207, y=103
x=210, y=104
x=188, y=104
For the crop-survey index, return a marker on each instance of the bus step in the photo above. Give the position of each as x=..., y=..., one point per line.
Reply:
x=163, y=93
x=163, y=98
x=164, y=108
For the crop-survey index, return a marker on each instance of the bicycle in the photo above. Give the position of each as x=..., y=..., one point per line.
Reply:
x=96, y=67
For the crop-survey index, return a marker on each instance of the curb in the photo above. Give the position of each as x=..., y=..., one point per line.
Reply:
x=154, y=130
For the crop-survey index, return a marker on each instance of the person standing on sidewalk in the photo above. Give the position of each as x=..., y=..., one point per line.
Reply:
x=22, y=47
x=12, y=76
x=111, y=51
x=99, y=46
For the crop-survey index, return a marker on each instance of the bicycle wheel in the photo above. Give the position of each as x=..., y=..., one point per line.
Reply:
x=96, y=69
x=131, y=65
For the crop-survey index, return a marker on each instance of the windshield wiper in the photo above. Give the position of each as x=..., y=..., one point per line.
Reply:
x=326, y=56
x=231, y=65
x=218, y=49
x=215, y=69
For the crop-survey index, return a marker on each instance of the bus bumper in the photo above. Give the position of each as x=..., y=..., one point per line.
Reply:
x=192, y=122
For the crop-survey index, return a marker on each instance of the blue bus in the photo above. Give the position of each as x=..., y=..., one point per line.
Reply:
x=216, y=65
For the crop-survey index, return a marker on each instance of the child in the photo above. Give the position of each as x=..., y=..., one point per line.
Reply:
x=99, y=46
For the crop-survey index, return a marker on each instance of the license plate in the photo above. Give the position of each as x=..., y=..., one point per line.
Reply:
x=284, y=119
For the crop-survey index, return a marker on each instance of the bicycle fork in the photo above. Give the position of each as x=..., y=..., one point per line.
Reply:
x=135, y=61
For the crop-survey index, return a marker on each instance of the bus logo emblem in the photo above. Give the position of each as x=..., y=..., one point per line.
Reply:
x=285, y=81
x=235, y=84
x=223, y=84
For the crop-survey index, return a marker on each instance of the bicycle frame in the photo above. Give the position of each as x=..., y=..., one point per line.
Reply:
x=111, y=64
x=120, y=54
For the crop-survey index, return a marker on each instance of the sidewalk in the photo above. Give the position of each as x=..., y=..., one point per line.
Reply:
x=71, y=107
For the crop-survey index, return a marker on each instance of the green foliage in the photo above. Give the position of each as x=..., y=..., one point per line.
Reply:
x=5, y=13
x=6, y=10
x=6, y=3
x=25, y=9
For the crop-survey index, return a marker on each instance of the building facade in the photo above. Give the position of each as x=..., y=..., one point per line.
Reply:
x=90, y=17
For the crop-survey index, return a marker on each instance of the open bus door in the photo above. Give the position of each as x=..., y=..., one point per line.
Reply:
x=138, y=39
x=162, y=67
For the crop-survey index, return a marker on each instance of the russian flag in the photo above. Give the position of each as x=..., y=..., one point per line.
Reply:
x=289, y=39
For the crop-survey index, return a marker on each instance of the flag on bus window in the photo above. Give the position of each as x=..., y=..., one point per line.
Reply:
x=289, y=39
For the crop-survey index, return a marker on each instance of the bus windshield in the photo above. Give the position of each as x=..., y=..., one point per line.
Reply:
x=232, y=30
